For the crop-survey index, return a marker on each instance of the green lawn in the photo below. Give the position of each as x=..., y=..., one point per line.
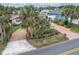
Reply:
x=2, y=47
x=75, y=28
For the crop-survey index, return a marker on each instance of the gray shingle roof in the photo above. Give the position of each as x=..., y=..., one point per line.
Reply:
x=54, y=12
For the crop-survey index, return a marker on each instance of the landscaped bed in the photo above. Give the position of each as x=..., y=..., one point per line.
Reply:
x=47, y=41
x=2, y=47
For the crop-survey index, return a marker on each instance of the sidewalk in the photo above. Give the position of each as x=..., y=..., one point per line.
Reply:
x=71, y=35
x=17, y=47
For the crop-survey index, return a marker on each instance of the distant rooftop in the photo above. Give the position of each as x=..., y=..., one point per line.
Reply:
x=55, y=12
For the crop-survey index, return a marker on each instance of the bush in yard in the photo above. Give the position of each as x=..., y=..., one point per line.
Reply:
x=42, y=33
x=49, y=40
x=2, y=46
x=10, y=29
x=75, y=28
x=56, y=21
x=61, y=22
x=65, y=22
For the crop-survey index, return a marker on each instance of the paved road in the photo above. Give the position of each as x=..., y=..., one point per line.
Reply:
x=55, y=49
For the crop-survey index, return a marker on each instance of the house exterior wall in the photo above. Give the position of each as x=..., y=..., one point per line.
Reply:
x=75, y=21
x=16, y=21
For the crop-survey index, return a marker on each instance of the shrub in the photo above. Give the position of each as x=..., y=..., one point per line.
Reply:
x=49, y=40
x=61, y=22
x=56, y=21
x=65, y=22
x=75, y=28
x=42, y=33
x=2, y=46
x=10, y=29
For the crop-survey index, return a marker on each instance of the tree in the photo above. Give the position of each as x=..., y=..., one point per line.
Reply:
x=28, y=14
x=31, y=20
x=50, y=8
x=71, y=12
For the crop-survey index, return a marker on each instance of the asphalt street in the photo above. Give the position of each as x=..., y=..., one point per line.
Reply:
x=55, y=49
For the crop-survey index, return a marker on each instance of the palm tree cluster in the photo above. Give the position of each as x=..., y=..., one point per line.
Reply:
x=4, y=19
x=5, y=12
x=31, y=21
x=71, y=12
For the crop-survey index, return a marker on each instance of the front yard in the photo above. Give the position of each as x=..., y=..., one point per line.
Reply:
x=2, y=47
x=10, y=29
x=72, y=27
x=47, y=41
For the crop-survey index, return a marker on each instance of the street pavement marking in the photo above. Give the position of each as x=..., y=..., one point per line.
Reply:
x=70, y=51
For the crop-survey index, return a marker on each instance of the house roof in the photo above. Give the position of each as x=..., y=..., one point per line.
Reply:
x=54, y=12
x=14, y=17
x=59, y=17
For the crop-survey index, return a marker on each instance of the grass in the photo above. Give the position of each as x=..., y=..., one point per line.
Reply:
x=2, y=47
x=75, y=28
x=47, y=41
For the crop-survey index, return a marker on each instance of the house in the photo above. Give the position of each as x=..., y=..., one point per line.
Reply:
x=15, y=18
x=55, y=15
x=51, y=14
x=43, y=13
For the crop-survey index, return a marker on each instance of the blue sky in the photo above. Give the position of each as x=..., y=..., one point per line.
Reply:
x=38, y=4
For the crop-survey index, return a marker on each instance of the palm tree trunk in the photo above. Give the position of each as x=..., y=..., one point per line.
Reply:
x=78, y=22
x=71, y=20
x=27, y=35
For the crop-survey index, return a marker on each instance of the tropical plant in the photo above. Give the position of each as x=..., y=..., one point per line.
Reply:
x=70, y=12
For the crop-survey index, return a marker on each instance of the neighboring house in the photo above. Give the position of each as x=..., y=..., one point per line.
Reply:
x=15, y=18
x=75, y=21
x=43, y=13
x=55, y=15
x=51, y=14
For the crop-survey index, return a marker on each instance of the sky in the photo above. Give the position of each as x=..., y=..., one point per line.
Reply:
x=38, y=4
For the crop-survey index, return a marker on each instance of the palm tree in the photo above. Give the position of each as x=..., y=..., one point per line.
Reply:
x=28, y=15
x=50, y=8
x=71, y=12
x=32, y=21
x=2, y=30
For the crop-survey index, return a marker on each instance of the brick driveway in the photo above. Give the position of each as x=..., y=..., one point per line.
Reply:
x=19, y=34
x=63, y=30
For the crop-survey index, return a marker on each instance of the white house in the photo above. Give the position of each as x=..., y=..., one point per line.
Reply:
x=15, y=18
x=43, y=13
